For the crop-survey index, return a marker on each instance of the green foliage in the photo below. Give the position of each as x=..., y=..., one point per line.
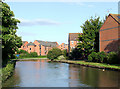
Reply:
x=65, y=53
x=61, y=57
x=7, y=71
x=102, y=57
x=33, y=54
x=22, y=51
x=89, y=40
x=75, y=54
x=10, y=41
x=54, y=53
x=112, y=58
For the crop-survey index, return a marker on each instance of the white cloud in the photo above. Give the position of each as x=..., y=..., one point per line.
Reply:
x=34, y=22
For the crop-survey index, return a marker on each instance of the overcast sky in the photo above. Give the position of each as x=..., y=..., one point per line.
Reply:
x=53, y=21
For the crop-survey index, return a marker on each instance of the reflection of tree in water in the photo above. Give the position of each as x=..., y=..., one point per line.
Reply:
x=13, y=81
x=92, y=77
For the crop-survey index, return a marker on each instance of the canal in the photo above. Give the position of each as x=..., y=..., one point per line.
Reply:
x=41, y=73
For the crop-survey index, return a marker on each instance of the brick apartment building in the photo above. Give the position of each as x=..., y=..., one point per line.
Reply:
x=72, y=40
x=41, y=47
x=63, y=46
x=110, y=34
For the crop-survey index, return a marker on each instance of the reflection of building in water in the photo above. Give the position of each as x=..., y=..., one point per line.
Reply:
x=37, y=65
x=98, y=78
x=74, y=76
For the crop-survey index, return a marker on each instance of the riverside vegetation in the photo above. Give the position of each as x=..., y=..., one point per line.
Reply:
x=10, y=41
x=87, y=49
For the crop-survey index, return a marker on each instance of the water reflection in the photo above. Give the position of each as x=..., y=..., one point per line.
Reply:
x=94, y=77
x=41, y=73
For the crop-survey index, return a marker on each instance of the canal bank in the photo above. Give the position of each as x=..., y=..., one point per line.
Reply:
x=42, y=73
x=7, y=71
x=91, y=64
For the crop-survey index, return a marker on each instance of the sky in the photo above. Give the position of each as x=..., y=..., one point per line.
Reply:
x=53, y=21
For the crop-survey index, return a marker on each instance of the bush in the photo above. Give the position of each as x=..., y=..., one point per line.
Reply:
x=22, y=51
x=75, y=54
x=54, y=53
x=102, y=57
x=93, y=57
x=61, y=57
x=65, y=53
x=33, y=54
x=112, y=58
x=7, y=71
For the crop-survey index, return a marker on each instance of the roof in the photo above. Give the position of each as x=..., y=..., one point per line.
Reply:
x=24, y=42
x=74, y=36
x=116, y=17
x=30, y=44
x=47, y=43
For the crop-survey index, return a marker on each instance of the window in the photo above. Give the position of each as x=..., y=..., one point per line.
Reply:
x=72, y=42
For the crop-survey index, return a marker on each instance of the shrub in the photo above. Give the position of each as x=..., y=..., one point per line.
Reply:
x=61, y=57
x=75, y=54
x=22, y=51
x=112, y=58
x=54, y=53
x=101, y=57
x=90, y=58
x=65, y=53
x=33, y=54
x=93, y=57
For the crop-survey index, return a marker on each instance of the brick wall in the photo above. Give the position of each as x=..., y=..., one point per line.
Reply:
x=109, y=35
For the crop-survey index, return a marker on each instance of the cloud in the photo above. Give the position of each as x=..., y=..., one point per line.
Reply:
x=34, y=22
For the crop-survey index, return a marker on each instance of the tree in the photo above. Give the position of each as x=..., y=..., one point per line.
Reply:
x=89, y=40
x=54, y=53
x=10, y=41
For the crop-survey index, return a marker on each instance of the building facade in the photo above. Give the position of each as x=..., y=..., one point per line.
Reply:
x=109, y=34
x=63, y=46
x=72, y=40
x=41, y=47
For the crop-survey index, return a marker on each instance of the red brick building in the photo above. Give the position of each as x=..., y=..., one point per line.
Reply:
x=72, y=40
x=63, y=46
x=42, y=47
x=24, y=46
x=110, y=34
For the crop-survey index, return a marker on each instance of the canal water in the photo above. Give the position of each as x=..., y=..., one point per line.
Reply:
x=41, y=73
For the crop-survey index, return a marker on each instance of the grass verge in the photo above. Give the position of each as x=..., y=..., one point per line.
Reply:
x=93, y=64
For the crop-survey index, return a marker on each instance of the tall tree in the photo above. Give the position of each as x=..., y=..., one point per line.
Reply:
x=10, y=41
x=89, y=40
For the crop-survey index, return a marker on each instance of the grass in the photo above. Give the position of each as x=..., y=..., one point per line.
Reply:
x=93, y=64
x=33, y=57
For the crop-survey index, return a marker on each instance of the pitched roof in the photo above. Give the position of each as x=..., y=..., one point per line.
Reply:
x=30, y=44
x=74, y=36
x=116, y=17
x=47, y=43
x=24, y=42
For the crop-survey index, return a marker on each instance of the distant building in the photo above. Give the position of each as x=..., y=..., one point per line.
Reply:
x=63, y=46
x=72, y=41
x=24, y=46
x=42, y=47
x=110, y=34
x=31, y=47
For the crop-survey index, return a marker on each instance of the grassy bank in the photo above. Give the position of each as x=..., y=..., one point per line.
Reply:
x=33, y=57
x=92, y=64
x=7, y=71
